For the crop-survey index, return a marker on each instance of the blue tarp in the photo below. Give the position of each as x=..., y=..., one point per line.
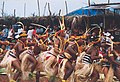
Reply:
x=85, y=11
x=91, y=11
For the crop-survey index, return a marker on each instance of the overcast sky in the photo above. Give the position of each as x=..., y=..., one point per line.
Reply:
x=55, y=5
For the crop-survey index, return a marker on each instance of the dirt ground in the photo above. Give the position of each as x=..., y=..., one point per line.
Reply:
x=4, y=78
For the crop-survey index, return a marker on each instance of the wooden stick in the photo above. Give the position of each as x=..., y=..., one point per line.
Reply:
x=88, y=2
x=44, y=9
x=14, y=12
x=108, y=1
x=24, y=9
x=3, y=8
x=49, y=9
x=59, y=12
x=38, y=7
x=38, y=25
x=66, y=7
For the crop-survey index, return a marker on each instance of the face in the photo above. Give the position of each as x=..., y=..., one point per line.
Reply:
x=93, y=34
x=56, y=41
x=23, y=38
x=62, y=34
x=11, y=46
x=3, y=47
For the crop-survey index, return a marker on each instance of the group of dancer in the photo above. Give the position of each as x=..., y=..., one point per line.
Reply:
x=72, y=58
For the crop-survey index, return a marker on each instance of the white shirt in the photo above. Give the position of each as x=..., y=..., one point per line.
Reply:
x=10, y=34
x=20, y=30
x=30, y=33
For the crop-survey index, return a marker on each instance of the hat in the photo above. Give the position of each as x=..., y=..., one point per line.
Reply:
x=20, y=24
x=23, y=35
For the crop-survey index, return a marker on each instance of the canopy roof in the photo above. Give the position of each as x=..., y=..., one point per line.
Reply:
x=96, y=9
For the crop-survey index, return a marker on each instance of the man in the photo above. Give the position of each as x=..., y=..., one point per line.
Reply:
x=3, y=48
x=18, y=49
x=5, y=32
x=21, y=43
x=111, y=62
x=30, y=33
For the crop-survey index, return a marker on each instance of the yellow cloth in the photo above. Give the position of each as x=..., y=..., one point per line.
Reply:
x=12, y=80
x=23, y=35
x=64, y=81
x=110, y=55
x=7, y=42
x=1, y=50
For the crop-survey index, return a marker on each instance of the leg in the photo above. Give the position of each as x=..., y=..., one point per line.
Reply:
x=16, y=65
x=69, y=70
x=117, y=72
x=55, y=66
x=105, y=70
x=56, y=70
x=37, y=76
x=34, y=61
x=94, y=76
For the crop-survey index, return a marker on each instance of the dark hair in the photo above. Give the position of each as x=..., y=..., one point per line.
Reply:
x=97, y=44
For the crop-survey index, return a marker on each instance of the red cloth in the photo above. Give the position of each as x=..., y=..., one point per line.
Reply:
x=47, y=57
x=103, y=54
x=34, y=32
x=59, y=61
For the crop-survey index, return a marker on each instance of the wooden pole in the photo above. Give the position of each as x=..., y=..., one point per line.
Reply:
x=38, y=7
x=3, y=8
x=24, y=9
x=88, y=2
x=66, y=7
x=108, y=1
x=44, y=9
x=49, y=9
x=14, y=12
x=104, y=20
x=59, y=12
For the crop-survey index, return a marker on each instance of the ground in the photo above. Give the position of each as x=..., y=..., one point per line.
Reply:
x=4, y=78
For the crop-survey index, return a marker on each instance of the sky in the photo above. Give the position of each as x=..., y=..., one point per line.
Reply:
x=55, y=6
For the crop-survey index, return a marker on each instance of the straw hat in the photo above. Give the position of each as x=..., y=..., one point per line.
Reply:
x=23, y=34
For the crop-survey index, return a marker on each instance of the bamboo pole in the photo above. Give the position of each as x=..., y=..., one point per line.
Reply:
x=104, y=20
x=3, y=8
x=88, y=2
x=24, y=9
x=44, y=9
x=108, y=1
x=49, y=9
x=66, y=7
x=14, y=12
x=38, y=7
x=59, y=12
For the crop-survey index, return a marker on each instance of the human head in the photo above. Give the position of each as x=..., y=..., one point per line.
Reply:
x=23, y=36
